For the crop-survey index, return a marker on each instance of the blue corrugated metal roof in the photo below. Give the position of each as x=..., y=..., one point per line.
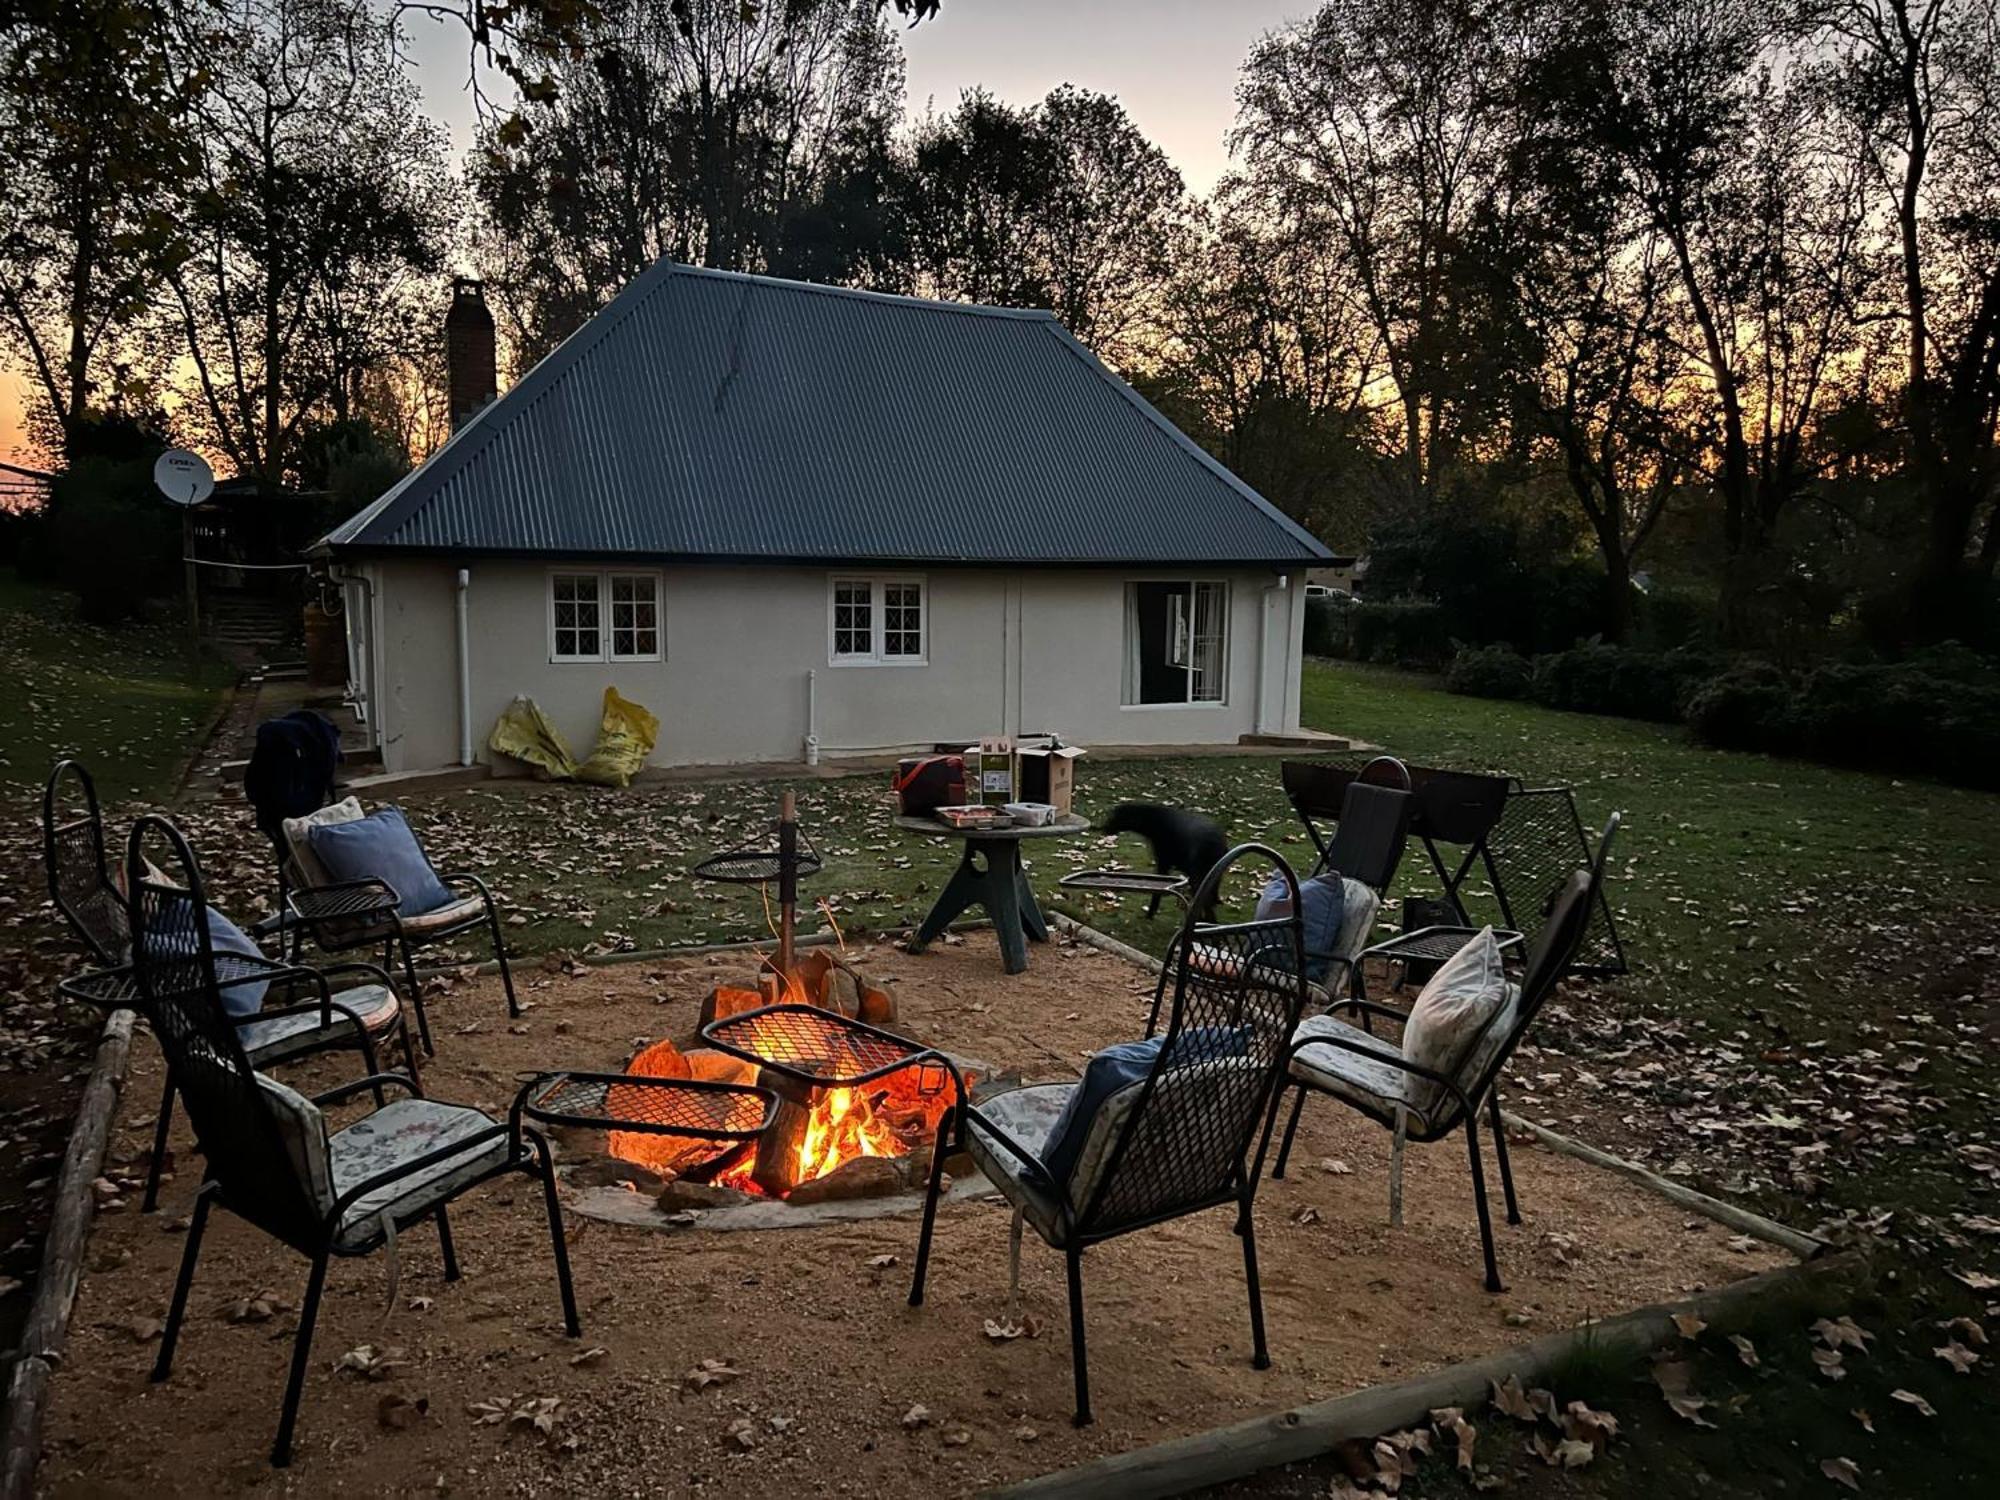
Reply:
x=705, y=414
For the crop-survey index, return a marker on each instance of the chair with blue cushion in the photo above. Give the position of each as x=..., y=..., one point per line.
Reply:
x=362, y=1011
x=271, y=1158
x=1156, y=1129
x=362, y=880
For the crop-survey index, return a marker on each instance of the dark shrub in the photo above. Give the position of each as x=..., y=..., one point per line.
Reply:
x=1748, y=707
x=1489, y=672
x=1398, y=633
x=1603, y=679
x=1326, y=627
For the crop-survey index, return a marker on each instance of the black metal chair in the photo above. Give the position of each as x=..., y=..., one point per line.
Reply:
x=271, y=1159
x=81, y=884
x=346, y=915
x=1366, y=850
x=80, y=881
x=1370, y=1074
x=1176, y=1142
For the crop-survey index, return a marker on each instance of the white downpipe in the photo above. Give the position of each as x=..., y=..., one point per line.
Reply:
x=1262, y=721
x=464, y=670
x=812, y=716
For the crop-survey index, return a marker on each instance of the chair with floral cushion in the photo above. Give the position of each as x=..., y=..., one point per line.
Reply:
x=1159, y=1129
x=1465, y=1046
x=276, y=1022
x=369, y=912
x=271, y=1158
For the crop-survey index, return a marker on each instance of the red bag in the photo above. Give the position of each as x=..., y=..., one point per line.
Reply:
x=924, y=783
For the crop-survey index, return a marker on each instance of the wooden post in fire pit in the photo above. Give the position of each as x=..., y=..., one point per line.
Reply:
x=788, y=877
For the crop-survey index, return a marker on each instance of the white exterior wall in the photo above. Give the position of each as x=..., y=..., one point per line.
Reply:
x=1008, y=651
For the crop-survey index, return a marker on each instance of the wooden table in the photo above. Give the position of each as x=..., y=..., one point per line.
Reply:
x=999, y=884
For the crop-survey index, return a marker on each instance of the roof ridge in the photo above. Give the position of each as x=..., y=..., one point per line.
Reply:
x=829, y=289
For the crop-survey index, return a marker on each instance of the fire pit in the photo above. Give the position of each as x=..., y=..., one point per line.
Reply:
x=858, y=1107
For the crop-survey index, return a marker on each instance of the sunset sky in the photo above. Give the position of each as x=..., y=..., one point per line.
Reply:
x=1172, y=62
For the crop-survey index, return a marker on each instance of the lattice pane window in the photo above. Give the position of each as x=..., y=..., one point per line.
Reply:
x=853, y=617
x=635, y=617
x=576, y=616
x=902, y=619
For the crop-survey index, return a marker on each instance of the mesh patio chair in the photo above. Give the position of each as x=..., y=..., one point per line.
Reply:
x=271, y=1158
x=346, y=915
x=362, y=1011
x=80, y=881
x=1177, y=1141
x=1370, y=1074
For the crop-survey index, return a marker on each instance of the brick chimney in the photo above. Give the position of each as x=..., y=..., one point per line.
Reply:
x=470, y=369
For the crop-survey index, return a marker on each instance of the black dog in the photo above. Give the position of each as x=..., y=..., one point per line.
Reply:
x=1183, y=843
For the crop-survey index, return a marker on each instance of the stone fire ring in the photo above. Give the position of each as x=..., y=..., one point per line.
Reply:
x=637, y=1208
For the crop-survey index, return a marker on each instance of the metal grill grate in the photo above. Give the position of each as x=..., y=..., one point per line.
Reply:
x=813, y=1045
x=1126, y=880
x=660, y=1106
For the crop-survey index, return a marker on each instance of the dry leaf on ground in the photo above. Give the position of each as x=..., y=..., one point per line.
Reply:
x=1829, y=1363
x=1842, y=1471
x=709, y=1372
x=1957, y=1356
x=372, y=1363
x=1842, y=1332
x=1511, y=1401
x=1689, y=1325
x=1911, y=1398
x=1675, y=1379
x=1745, y=1350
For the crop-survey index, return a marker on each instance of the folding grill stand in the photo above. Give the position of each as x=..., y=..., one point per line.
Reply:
x=1499, y=822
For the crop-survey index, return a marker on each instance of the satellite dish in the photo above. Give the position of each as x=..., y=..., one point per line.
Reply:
x=183, y=477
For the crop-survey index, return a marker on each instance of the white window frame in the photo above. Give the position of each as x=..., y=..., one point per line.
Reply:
x=605, y=651
x=1224, y=598
x=877, y=654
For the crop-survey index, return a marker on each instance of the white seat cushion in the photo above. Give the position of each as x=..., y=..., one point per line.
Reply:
x=465, y=909
x=1374, y=1087
x=402, y=1131
x=1028, y=1115
x=283, y=1037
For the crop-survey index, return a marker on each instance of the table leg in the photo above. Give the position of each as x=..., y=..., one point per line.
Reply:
x=1032, y=921
x=1005, y=886
x=967, y=887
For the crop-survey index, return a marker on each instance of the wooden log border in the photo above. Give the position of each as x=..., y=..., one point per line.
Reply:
x=1305, y=1432
x=47, y=1328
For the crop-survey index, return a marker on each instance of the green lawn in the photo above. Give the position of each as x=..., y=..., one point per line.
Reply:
x=130, y=701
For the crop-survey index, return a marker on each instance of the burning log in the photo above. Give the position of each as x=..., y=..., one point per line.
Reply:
x=727, y=1000
x=777, y=1165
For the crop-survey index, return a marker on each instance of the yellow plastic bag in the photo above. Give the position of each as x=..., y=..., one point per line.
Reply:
x=525, y=733
x=624, y=739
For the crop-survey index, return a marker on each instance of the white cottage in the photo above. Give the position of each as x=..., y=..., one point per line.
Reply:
x=799, y=521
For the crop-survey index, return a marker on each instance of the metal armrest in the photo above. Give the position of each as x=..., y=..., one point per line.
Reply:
x=341, y=901
x=466, y=877
x=347, y=1091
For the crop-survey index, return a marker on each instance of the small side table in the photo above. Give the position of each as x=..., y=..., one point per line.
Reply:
x=989, y=875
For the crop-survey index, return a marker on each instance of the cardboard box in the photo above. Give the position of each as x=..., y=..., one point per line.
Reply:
x=1048, y=772
x=992, y=771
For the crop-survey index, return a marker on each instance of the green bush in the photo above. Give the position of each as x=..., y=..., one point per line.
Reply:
x=1749, y=707
x=1398, y=633
x=1489, y=672
x=1604, y=679
x=1890, y=716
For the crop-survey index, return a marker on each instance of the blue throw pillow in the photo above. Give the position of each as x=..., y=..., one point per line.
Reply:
x=1116, y=1067
x=1324, y=900
x=172, y=936
x=381, y=847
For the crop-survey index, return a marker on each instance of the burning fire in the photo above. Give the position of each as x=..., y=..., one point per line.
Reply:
x=892, y=1117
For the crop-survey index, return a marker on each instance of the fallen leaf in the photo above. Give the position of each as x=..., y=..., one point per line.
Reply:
x=1842, y=1471
x=1841, y=1332
x=1861, y=1415
x=1305, y=1214
x=1957, y=1356
x=1979, y=1281
x=917, y=1416
x=1334, y=1166
x=1582, y=1424
x=145, y=1330
x=1511, y=1401
x=1745, y=1350
x=882, y=1262
x=1002, y=1329
x=1742, y=1244
x=371, y=1363
x=1828, y=1361
x=709, y=1372
x=589, y=1356
x=1675, y=1379
x=1968, y=1331
x=1911, y=1398
x=741, y=1434
x=1450, y=1422
x=1569, y=1453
